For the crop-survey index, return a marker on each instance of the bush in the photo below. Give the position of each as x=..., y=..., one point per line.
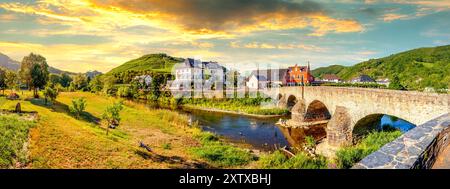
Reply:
x=78, y=106
x=112, y=114
x=50, y=93
x=167, y=146
x=301, y=160
x=346, y=157
x=124, y=92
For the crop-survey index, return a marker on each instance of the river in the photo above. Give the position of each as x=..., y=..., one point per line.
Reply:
x=262, y=133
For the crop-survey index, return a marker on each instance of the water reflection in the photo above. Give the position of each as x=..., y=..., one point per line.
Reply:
x=262, y=134
x=397, y=123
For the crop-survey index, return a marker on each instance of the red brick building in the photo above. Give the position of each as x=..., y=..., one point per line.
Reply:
x=298, y=74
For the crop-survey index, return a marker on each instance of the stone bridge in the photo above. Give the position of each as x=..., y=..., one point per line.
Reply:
x=347, y=108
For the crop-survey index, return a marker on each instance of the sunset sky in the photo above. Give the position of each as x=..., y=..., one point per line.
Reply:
x=101, y=34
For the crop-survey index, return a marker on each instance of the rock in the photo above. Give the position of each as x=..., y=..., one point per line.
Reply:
x=18, y=108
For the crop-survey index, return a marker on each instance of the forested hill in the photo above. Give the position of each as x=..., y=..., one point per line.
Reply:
x=151, y=62
x=416, y=69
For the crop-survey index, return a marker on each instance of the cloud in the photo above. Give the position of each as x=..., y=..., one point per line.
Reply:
x=7, y=17
x=282, y=46
x=392, y=16
x=195, y=18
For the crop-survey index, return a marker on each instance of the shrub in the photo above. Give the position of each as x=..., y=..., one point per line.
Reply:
x=167, y=146
x=124, y=92
x=50, y=93
x=301, y=160
x=78, y=106
x=13, y=135
x=112, y=114
x=346, y=157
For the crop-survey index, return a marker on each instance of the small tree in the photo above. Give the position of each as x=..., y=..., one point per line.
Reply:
x=50, y=93
x=78, y=106
x=112, y=115
x=79, y=82
x=3, y=81
x=12, y=80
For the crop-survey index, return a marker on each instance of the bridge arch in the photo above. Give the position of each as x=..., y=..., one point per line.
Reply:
x=279, y=96
x=317, y=111
x=379, y=121
x=291, y=101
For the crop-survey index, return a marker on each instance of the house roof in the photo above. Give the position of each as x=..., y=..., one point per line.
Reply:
x=300, y=67
x=192, y=63
x=363, y=78
x=270, y=74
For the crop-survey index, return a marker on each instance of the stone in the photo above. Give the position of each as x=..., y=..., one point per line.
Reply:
x=376, y=160
x=393, y=148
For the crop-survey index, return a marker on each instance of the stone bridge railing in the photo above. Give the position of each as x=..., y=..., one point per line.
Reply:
x=416, y=149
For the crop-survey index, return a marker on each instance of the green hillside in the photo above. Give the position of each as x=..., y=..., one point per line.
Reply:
x=416, y=69
x=333, y=69
x=151, y=62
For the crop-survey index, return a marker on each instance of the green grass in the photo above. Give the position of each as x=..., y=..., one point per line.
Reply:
x=278, y=160
x=220, y=154
x=13, y=135
x=346, y=157
x=245, y=105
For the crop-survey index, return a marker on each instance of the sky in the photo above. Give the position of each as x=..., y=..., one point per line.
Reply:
x=83, y=35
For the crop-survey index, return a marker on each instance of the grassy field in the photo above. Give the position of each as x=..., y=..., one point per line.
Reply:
x=14, y=132
x=61, y=141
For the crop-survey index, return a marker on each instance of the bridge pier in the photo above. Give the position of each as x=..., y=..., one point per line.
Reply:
x=298, y=113
x=282, y=102
x=339, y=128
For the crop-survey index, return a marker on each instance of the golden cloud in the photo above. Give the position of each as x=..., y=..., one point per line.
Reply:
x=283, y=46
x=392, y=16
x=191, y=19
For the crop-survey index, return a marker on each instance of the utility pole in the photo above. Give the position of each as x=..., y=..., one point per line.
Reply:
x=303, y=88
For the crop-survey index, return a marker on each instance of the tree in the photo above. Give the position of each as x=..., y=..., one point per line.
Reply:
x=12, y=80
x=34, y=72
x=65, y=80
x=3, y=80
x=54, y=79
x=50, y=93
x=96, y=84
x=157, y=81
x=112, y=115
x=79, y=82
x=395, y=83
x=78, y=106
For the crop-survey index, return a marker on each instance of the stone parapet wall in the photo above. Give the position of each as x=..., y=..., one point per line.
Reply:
x=416, y=149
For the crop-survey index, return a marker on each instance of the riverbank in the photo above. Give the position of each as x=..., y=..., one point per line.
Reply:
x=255, y=107
x=193, y=107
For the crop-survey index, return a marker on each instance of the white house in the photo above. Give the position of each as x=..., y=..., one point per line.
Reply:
x=384, y=81
x=257, y=82
x=194, y=72
x=332, y=78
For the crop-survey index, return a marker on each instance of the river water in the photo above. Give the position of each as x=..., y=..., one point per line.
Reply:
x=262, y=133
